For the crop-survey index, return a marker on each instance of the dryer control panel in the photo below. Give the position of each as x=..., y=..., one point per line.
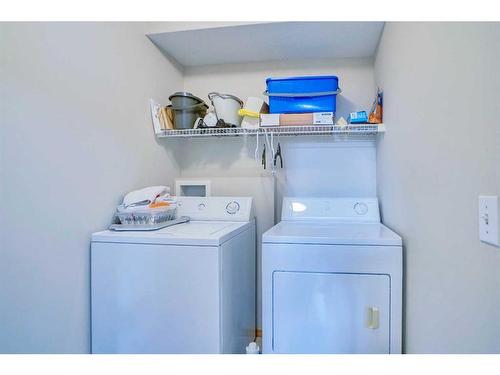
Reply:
x=331, y=209
x=216, y=208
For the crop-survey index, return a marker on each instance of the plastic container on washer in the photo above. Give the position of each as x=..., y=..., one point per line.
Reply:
x=147, y=216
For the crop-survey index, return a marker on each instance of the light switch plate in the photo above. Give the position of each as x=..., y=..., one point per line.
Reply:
x=489, y=226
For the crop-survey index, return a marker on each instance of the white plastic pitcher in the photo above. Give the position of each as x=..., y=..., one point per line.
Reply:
x=226, y=107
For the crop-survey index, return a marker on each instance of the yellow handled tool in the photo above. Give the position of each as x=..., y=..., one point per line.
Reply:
x=246, y=112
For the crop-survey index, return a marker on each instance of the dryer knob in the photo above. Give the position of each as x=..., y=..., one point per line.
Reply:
x=201, y=206
x=232, y=207
x=360, y=208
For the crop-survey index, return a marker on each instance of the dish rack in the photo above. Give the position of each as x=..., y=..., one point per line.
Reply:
x=151, y=216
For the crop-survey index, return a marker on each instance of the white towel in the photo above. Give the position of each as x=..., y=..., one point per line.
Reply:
x=146, y=195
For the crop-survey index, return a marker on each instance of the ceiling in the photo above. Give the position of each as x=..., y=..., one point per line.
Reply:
x=270, y=41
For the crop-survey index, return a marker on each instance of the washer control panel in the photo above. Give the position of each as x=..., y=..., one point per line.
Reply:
x=216, y=208
x=331, y=209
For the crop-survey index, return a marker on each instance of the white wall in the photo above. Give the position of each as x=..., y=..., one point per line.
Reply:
x=82, y=135
x=75, y=135
x=442, y=149
x=328, y=166
x=243, y=80
x=312, y=166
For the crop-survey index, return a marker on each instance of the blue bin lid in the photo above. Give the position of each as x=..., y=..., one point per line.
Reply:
x=301, y=78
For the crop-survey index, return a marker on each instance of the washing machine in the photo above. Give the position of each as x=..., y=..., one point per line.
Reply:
x=331, y=279
x=188, y=288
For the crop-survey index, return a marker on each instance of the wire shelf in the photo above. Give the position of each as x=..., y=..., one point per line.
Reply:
x=299, y=130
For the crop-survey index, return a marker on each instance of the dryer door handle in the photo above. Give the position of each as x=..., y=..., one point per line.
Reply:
x=372, y=317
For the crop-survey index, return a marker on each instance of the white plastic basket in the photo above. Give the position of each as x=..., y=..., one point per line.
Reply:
x=147, y=216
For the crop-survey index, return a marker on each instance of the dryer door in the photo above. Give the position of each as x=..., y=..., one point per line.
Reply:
x=330, y=312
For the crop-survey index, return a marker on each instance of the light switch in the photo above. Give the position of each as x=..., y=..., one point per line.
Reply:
x=489, y=226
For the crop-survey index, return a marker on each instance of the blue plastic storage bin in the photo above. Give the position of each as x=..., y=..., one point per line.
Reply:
x=302, y=94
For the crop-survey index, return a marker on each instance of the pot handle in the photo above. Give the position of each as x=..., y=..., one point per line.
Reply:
x=187, y=107
x=211, y=96
x=224, y=96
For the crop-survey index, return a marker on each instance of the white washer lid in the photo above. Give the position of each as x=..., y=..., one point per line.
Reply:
x=194, y=233
x=312, y=232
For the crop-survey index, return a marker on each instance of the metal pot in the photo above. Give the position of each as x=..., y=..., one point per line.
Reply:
x=184, y=99
x=226, y=107
x=185, y=117
x=186, y=108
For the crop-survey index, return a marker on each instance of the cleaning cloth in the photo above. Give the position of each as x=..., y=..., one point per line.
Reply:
x=145, y=196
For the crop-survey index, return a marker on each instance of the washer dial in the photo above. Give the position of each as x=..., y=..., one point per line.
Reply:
x=232, y=207
x=360, y=208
